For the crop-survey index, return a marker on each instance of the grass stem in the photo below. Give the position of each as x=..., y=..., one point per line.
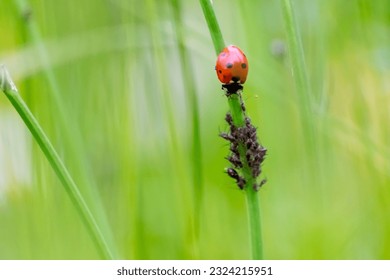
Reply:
x=193, y=106
x=71, y=134
x=253, y=205
x=212, y=22
x=252, y=199
x=10, y=90
x=299, y=68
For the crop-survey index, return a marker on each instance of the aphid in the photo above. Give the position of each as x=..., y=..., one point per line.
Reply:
x=247, y=122
x=232, y=173
x=254, y=147
x=235, y=160
x=243, y=107
x=258, y=158
x=262, y=151
x=232, y=66
x=251, y=133
x=249, y=143
x=241, y=133
x=227, y=137
x=241, y=183
x=256, y=186
x=250, y=128
x=239, y=180
x=229, y=119
x=234, y=149
x=255, y=172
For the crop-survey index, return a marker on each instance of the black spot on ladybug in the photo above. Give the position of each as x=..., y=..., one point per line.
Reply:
x=220, y=71
x=223, y=54
x=229, y=65
x=243, y=65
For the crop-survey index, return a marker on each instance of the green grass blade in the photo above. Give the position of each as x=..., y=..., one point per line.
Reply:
x=10, y=90
x=212, y=22
x=298, y=65
x=72, y=137
x=253, y=205
x=193, y=105
x=252, y=198
x=295, y=46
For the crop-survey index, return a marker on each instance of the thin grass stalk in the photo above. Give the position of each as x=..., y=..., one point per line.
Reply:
x=159, y=59
x=176, y=155
x=212, y=23
x=193, y=105
x=10, y=90
x=238, y=116
x=298, y=67
x=73, y=137
x=297, y=53
x=305, y=99
x=252, y=198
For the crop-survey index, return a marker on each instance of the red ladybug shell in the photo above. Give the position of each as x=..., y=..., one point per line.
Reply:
x=232, y=65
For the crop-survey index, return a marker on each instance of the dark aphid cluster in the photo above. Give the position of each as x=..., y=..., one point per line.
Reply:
x=245, y=137
x=255, y=153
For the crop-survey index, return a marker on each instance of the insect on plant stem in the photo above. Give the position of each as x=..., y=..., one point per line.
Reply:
x=246, y=154
x=236, y=119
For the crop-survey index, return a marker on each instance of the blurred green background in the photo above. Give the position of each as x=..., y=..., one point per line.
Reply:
x=108, y=83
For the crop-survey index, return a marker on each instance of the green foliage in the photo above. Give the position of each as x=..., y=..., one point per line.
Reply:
x=118, y=68
x=73, y=191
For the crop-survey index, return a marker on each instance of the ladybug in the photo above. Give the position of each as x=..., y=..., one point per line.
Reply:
x=232, y=66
